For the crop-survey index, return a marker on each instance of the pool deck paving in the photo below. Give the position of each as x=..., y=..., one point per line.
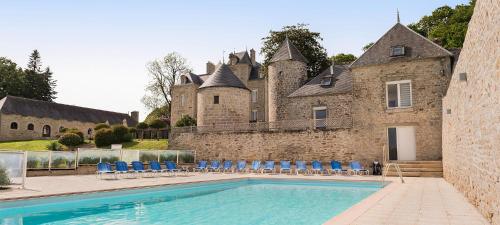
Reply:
x=417, y=201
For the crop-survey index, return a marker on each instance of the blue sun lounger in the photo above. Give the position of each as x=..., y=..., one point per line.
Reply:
x=300, y=166
x=214, y=166
x=227, y=166
x=255, y=166
x=317, y=167
x=155, y=167
x=336, y=168
x=138, y=168
x=268, y=167
x=357, y=169
x=202, y=166
x=104, y=168
x=121, y=167
x=241, y=166
x=172, y=168
x=285, y=166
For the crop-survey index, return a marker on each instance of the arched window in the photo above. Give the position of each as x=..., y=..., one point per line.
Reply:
x=13, y=126
x=46, y=131
x=31, y=126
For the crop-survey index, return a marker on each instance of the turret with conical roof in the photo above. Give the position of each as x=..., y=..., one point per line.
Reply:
x=223, y=99
x=286, y=73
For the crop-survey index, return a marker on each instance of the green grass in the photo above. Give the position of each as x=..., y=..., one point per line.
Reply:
x=40, y=145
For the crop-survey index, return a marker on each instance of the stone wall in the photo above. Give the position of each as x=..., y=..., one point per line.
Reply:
x=337, y=106
x=429, y=79
x=471, y=120
x=189, y=108
x=22, y=132
x=284, y=77
x=242, y=71
x=300, y=145
x=233, y=107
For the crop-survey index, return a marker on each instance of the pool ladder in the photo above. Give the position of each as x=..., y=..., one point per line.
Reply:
x=388, y=165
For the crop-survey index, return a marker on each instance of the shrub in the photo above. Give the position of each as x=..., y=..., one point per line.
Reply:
x=119, y=131
x=157, y=124
x=104, y=137
x=4, y=179
x=101, y=126
x=127, y=137
x=54, y=146
x=77, y=132
x=142, y=125
x=70, y=140
x=186, y=121
x=88, y=160
x=132, y=130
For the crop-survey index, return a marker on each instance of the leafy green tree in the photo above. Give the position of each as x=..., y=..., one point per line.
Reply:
x=343, y=59
x=70, y=140
x=38, y=83
x=158, y=113
x=142, y=126
x=4, y=178
x=158, y=124
x=186, y=121
x=101, y=126
x=306, y=41
x=12, y=80
x=446, y=26
x=367, y=46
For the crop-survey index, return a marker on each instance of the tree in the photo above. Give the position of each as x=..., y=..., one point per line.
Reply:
x=38, y=83
x=157, y=124
x=343, y=59
x=164, y=74
x=11, y=78
x=186, y=121
x=307, y=42
x=158, y=113
x=367, y=46
x=446, y=26
x=142, y=126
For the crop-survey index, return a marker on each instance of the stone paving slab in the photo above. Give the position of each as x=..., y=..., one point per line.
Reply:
x=418, y=201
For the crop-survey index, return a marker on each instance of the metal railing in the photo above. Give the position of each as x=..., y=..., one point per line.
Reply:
x=283, y=125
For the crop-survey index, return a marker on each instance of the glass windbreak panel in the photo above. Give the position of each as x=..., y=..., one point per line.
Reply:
x=392, y=95
x=63, y=160
x=405, y=94
x=393, y=144
x=130, y=155
x=110, y=156
x=13, y=164
x=168, y=155
x=89, y=156
x=38, y=160
x=186, y=156
x=148, y=155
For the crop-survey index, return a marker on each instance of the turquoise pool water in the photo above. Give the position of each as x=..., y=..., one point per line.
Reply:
x=247, y=201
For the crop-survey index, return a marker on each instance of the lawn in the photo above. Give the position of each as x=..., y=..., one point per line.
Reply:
x=38, y=145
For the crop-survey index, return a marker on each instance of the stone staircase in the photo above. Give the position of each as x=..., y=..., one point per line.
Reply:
x=418, y=169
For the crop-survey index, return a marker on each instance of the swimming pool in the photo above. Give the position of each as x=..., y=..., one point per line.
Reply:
x=245, y=201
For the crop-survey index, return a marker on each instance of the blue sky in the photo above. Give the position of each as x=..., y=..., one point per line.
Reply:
x=98, y=49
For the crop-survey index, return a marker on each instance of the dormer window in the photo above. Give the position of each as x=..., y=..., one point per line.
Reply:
x=397, y=51
x=327, y=81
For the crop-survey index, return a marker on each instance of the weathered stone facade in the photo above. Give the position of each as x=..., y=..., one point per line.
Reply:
x=429, y=79
x=233, y=106
x=337, y=106
x=300, y=145
x=260, y=105
x=471, y=114
x=184, y=101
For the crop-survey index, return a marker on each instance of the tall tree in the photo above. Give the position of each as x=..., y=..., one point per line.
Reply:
x=367, y=46
x=39, y=83
x=343, y=59
x=12, y=80
x=164, y=73
x=446, y=26
x=306, y=41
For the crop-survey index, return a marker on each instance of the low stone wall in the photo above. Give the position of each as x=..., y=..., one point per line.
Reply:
x=471, y=121
x=292, y=145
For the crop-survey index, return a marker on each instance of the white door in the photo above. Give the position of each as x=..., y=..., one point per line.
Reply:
x=402, y=143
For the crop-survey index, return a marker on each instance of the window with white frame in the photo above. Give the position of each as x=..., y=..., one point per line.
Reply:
x=254, y=96
x=254, y=115
x=398, y=94
x=183, y=100
x=319, y=117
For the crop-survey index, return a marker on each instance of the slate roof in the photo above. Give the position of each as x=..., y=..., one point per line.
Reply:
x=194, y=78
x=288, y=51
x=342, y=83
x=41, y=109
x=243, y=57
x=223, y=77
x=254, y=73
x=416, y=46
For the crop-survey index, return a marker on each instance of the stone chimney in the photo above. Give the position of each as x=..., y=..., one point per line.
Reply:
x=233, y=59
x=210, y=67
x=135, y=115
x=252, y=55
